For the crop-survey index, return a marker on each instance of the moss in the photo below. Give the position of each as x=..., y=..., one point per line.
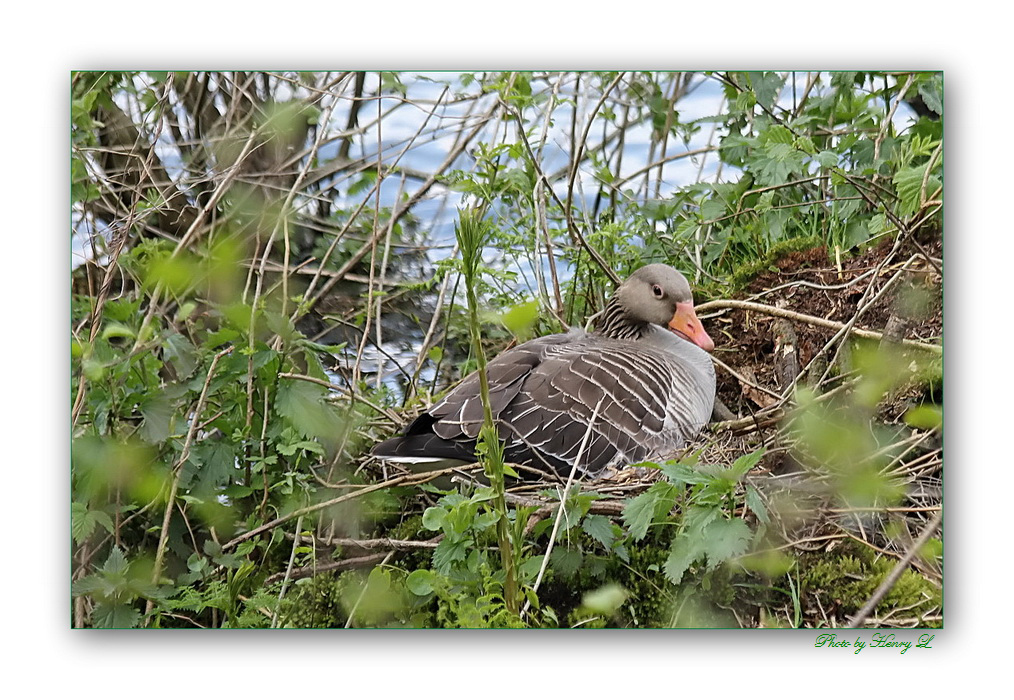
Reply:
x=742, y=275
x=315, y=602
x=844, y=580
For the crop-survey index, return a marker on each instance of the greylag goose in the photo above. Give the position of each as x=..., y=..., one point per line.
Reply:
x=646, y=368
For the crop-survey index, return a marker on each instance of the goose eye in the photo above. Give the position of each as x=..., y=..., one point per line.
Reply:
x=657, y=291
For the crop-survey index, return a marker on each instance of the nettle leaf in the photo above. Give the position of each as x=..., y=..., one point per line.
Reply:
x=756, y=505
x=289, y=449
x=218, y=459
x=302, y=403
x=745, y=463
x=641, y=511
x=115, y=564
x=566, y=562
x=767, y=86
x=83, y=521
x=696, y=518
x=709, y=538
x=724, y=539
x=685, y=551
x=599, y=528
x=115, y=616
x=713, y=208
x=681, y=473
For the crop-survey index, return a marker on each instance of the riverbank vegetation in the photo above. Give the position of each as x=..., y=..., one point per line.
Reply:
x=267, y=282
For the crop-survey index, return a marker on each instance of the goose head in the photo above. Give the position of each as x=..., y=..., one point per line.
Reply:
x=660, y=295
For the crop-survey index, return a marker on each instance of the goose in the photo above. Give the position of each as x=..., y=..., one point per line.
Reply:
x=644, y=374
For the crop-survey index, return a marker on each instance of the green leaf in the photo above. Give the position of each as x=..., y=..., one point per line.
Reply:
x=218, y=458
x=529, y=568
x=115, y=616
x=83, y=521
x=680, y=473
x=282, y=325
x=724, y=539
x=777, y=134
x=566, y=562
x=420, y=582
x=683, y=553
x=908, y=183
x=520, y=319
x=433, y=518
x=447, y=552
x=827, y=159
x=485, y=520
x=931, y=91
x=805, y=144
x=767, y=85
x=745, y=463
x=301, y=402
x=116, y=563
x=181, y=353
x=605, y=600
x=756, y=505
x=925, y=417
x=158, y=413
x=599, y=528
x=641, y=511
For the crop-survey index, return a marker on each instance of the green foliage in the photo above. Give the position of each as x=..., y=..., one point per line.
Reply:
x=115, y=587
x=843, y=439
x=706, y=532
x=201, y=392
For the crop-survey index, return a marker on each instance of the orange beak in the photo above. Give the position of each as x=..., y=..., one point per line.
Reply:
x=686, y=324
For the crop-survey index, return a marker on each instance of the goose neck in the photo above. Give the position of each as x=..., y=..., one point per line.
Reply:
x=615, y=322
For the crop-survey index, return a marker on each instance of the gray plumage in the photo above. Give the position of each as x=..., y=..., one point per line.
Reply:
x=656, y=387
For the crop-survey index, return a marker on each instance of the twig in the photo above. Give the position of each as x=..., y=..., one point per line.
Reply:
x=563, y=500
x=406, y=479
x=340, y=565
x=177, y=470
x=382, y=543
x=288, y=571
x=804, y=318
